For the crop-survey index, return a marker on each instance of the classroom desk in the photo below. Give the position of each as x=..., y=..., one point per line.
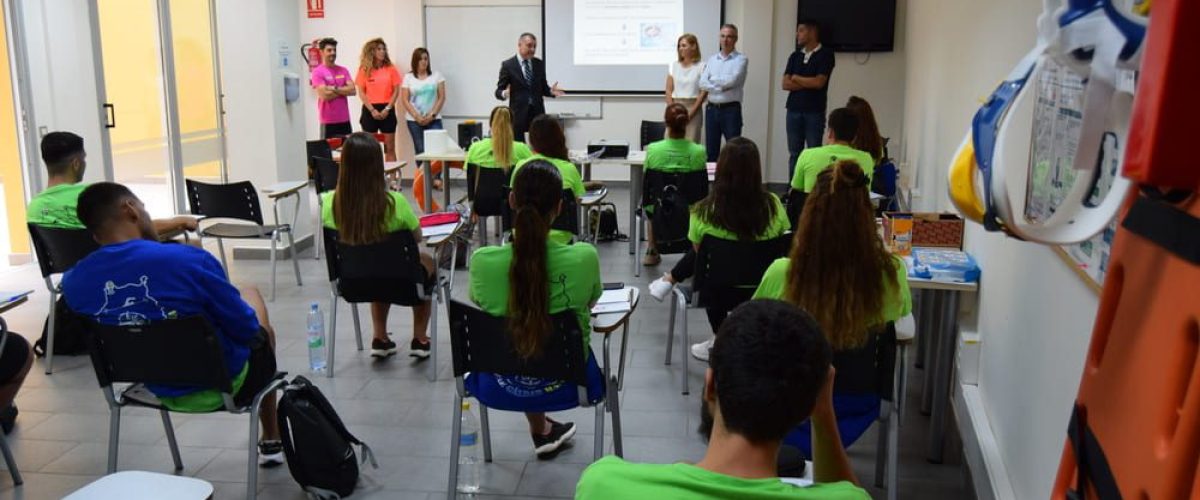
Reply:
x=635, y=160
x=425, y=159
x=607, y=324
x=938, y=319
x=438, y=243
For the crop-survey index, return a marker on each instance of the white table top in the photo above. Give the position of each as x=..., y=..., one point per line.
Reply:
x=446, y=156
x=134, y=485
x=442, y=232
x=634, y=158
x=609, y=322
x=284, y=188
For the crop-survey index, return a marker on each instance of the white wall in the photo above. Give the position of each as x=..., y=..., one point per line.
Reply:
x=1034, y=315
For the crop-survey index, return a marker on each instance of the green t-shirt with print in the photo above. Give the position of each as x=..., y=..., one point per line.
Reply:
x=698, y=227
x=573, y=270
x=55, y=207
x=570, y=175
x=402, y=218
x=207, y=400
x=481, y=154
x=813, y=160
x=612, y=477
x=675, y=156
x=897, y=302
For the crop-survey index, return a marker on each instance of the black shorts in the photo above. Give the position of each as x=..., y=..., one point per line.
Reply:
x=260, y=372
x=370, y=124
x=329, y=130
x=13, y=358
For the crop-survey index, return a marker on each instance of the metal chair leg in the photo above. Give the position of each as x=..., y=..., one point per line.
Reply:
x=114, y=437
x=357, y=326
x=10, y=462
x=881, y=444
x=455, y=436
x=433, y=330
x=612, y=399
x=295, y=256
x=221, y=253
x=637, y=246
x=685, y=347
x=50, y=326
x=332, y=340
x=274, y=247
x=483, y=232
x=170, y=430
x=252, y=454
x=598, y=447
x=893, y=455
x=487, y=433
x=671, y=330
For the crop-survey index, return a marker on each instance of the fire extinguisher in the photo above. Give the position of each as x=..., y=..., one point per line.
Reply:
x=311, y=53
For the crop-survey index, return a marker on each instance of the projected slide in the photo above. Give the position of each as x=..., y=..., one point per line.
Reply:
x=624, y=32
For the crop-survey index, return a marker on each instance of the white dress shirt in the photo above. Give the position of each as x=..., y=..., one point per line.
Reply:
x=724, y=77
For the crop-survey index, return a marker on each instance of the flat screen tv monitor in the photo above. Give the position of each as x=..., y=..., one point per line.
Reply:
x=853, y=25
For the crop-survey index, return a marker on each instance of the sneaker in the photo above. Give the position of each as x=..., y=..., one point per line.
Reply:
x=382, y=348
x=270, y=453
x=660, y=288
x=8, y=418
x=548, y=446
x=419, y=349
x=652, y=258
x=700, y=351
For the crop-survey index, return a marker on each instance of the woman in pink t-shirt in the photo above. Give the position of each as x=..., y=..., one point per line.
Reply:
x=378, y=84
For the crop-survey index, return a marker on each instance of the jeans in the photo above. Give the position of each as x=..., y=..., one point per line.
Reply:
x=725, y=121
x=804, y=130
x=418, y=133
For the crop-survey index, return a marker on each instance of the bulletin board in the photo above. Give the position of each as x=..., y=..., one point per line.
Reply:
x=1058, y=119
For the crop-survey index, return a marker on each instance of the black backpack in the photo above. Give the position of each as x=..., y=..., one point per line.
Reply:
x=69, y=336
x=604, y=223
x=319, y=449
x=670, y=221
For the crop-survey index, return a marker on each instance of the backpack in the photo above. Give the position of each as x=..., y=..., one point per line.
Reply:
x=319, y=449
x=604, y=222
x=670, y=222
x=69, y=328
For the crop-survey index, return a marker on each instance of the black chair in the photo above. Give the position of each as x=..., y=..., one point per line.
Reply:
x=652, y=132
x=670, y=233
x=317, y=149
x=239, y=201
x=177, y=352
x=795, y=206
x=389, y=271
x=324, y=173
x=57, y=251
x=486, y=188
x=722, y=287
x=567, y=219
x=9, y=461
x=480, y=343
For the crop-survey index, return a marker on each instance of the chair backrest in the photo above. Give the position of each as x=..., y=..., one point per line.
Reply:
x=58, y=250
x=325, y=174
x=317, y=149
x=567, y=219
x=236, y=200
x=870, y=369
x=722, y=264
x=652, y=132
x=795, y=206
x=485, y=188
x=388, y=271
x=693, y=185
x=480, y=342
x=177, y=352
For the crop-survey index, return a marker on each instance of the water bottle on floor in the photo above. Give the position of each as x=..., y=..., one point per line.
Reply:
x=468, y=452
x=316, y=339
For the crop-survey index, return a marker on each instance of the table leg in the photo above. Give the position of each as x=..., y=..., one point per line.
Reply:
x=587, y=170
x=931, y=336
x=445, y=185
x=925, y=314
x=428, y=190
x=635, y=192
x=943, y=376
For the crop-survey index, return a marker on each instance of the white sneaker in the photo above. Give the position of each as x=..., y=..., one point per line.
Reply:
x=659, y=288
x=700, y=351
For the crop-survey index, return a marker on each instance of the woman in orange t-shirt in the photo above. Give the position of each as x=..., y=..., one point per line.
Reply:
x=378, y=84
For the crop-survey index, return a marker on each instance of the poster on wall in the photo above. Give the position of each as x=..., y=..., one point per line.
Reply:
x=316, y=9
x=1057, y=123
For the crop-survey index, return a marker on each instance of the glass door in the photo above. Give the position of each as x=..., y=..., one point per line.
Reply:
x=197, y=82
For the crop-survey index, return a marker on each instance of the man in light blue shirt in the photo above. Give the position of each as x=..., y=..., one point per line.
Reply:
x=723, y=79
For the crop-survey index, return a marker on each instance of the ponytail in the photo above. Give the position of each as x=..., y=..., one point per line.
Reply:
x=537, y=189
x=502, y=137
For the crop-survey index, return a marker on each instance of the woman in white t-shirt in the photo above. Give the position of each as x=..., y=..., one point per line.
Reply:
x=683, y=78
x=423, y=94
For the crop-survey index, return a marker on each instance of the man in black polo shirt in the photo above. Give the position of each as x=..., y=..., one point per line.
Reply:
x=806, y=79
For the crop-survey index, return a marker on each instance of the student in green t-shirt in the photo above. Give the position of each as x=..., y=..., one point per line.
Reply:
x=843, y=127
x=527, y=280
x=840, y=272
x=763, y=343
x=66, y=162
x=363, y=211
x=549, y=144
x=737, y=208
x=674, y=155
x=499, y=150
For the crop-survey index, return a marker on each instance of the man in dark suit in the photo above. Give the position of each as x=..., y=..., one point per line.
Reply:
x=523, y=82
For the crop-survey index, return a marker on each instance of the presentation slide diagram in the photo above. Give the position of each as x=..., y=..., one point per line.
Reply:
x=624, y=32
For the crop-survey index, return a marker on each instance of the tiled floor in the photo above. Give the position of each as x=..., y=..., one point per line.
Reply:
x=61, y=434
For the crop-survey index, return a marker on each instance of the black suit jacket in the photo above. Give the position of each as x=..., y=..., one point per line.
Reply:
x=526, y=100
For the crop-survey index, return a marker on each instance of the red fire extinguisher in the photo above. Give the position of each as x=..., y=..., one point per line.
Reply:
x=311, y=53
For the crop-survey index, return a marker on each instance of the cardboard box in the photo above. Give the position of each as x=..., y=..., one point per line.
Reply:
x=904, y=230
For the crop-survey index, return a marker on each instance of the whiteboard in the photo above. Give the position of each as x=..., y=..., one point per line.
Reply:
x=467, y=44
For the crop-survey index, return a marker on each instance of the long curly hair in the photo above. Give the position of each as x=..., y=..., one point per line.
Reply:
x=366, y=60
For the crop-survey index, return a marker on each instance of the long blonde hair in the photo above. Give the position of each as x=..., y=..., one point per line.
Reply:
x=366, y=60
x=502, y=136
x=695, y=43
x=361, y=203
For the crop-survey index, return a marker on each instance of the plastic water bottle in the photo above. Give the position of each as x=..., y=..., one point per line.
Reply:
x=316, y=339
x=468, y=452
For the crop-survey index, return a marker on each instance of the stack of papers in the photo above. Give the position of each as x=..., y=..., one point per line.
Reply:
x=614, y=301
x=438, y=230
